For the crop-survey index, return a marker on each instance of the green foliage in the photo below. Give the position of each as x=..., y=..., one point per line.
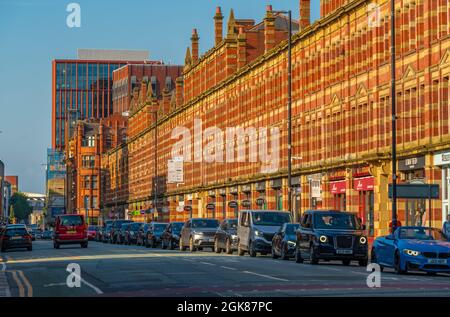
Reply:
x=20, y=206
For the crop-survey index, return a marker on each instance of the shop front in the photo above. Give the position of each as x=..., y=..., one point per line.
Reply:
x=246, y=199
x=413, y=172
x=365, y=188
x=337, y=189
x=315, y=190
x=443, y=161
x=276, y=186
x=223, y=200
x=261, y=201
x=234, y=192
x=211, y=204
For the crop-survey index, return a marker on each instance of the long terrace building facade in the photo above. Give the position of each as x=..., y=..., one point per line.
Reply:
x=341, y=116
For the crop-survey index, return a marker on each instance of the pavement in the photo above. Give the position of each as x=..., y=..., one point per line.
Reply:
x=131, y=271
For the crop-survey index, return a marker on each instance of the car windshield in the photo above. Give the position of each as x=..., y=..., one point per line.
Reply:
x=160, y=227
x=290, y=229
x=343, y=221
x=205, y=223
x=15, y=232
x=176, y=227
x=270, y=218
x=71, y=221
x=420, y=233
x=232, y=224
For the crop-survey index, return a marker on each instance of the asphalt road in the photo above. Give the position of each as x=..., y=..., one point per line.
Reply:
x=116, y=270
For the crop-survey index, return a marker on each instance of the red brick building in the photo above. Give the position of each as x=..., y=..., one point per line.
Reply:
x=341, y=114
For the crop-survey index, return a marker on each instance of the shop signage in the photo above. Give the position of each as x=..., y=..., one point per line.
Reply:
x=275, y=183
x=246, y=203
x=316, y=190
x=180, y=208
x=211, y=206
x=246, y=188
x=442, y=159
x=364, y=184
x=261, y=186
x=142, y=212
x=416, y=191
x=338, y=187
x=260, y=201
x=412, y=163
x=175, y=171
x=233, y=204
x=233, y=190
x=188, y=208
x=295, y=181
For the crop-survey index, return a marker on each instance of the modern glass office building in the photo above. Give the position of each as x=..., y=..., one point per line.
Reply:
x=83, y=87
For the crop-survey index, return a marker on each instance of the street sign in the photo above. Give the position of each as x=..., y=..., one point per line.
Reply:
x=233, y=204
x=260, y=201
x=246, y=203
x=188, y=208
x=415, y=191
x=175, y=173
x=211, y=206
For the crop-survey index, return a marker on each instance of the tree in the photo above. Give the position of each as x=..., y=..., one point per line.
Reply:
x=19, y=204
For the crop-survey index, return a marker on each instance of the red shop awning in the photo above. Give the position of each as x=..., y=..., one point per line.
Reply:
x=338, y=187
x=365, y=183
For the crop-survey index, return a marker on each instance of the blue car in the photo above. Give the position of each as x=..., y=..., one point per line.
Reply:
x=413, y=249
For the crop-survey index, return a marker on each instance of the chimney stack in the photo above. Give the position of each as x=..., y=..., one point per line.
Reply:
x=269, y=29
x=218, y=26
x=242, y=48
x=305, y=13
x=194, y=40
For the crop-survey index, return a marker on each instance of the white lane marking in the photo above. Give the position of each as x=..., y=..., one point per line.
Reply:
x=206, y=263
x=95, y=288
x=266, y=276
x=228, y=268
x=55, y=284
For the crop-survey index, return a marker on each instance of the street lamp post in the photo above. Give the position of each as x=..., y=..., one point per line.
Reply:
x=156, y=165
x=394, y=118
x=289, y=114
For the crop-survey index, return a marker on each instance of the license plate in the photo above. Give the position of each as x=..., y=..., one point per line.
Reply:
x=16, y=238
x=437, y=261
x=344, y=251
x=71, y=232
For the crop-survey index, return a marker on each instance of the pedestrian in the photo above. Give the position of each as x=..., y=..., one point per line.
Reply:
x=446, y=226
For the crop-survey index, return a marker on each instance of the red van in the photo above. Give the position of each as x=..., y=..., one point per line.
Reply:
x=70, y=229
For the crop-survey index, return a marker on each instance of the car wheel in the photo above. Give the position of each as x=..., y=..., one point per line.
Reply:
x=397, y=264
x=252, y=251
x=373, y=259
x=30, y=248
x=312, y=257
x=363, y=262
x=163, y=245
x=228, y=249
x=191, y=245
x=146, y=243
x=274, y=255
x=56, y=245
x=216, y=246
x=171, y=247
x=346, y=262
x=298, y=256
x=84, y=245
x=283, y=253
x=153, y=243
x=240, y=251
x=181, y=246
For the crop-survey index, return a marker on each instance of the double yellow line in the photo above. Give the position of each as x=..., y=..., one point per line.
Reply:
x=21, y=280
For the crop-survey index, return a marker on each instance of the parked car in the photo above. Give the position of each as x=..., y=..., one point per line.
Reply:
x=413, y=249
x=284, y=241
x=70, y=229
x=92, y=232
x=331, y=235
x=256, y=229
x=106, y=233
x=122, y=232
x=47, y=235
x=198, y=233
x=153, y=234
x=132, y=232
x=226, y=236
x=170, y=238
x=37, y=233
x=32, y=233
x=141, y=234
x=117, y=224
x=14, y=237
x=101, y=231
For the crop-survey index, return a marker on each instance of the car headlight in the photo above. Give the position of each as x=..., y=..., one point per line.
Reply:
x=258, y=233
x=363, y=240
x=323, y=239
x=291, y=244
x=233, y=236
x=411, y=252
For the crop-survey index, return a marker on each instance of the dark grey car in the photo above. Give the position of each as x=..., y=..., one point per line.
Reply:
x=198, y=233
x=226, y=236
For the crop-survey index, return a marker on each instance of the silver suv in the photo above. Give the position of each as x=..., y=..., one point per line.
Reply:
x=256, y=229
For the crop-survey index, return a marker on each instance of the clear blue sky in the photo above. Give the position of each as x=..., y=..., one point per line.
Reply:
x=34, y=32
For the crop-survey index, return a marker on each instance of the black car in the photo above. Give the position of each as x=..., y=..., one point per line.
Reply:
x=153, y=234
x=117, y=224
x=170, y=238
x=122, y=232
x=132, y=232
x=14, y=237
x=106, y=233
x=331, y=235
x=198, y=233
x=284, y=241
x=141, y=234
x=226, y=236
